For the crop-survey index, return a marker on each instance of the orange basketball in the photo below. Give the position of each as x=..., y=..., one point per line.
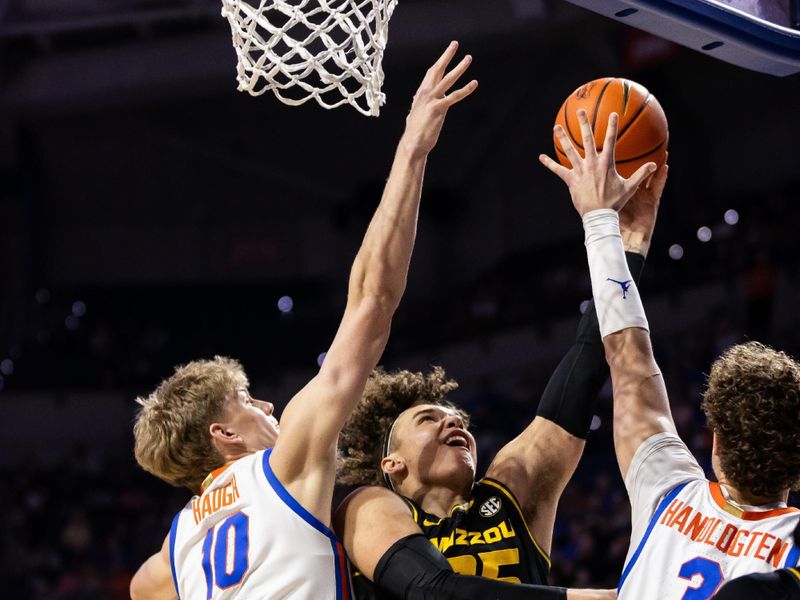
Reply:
x=643, y=131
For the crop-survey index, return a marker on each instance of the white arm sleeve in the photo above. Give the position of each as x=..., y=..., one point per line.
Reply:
x=616, y=298
x=660, y=464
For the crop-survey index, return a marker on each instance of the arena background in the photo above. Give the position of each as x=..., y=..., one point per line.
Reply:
x=150, y=214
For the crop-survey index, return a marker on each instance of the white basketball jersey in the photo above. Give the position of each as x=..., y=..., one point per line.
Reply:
x=245, y=537
x=687, y=538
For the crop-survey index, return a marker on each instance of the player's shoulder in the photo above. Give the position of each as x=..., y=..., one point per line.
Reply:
x=374, y=501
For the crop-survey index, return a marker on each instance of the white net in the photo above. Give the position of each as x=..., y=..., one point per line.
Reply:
x=328, y=50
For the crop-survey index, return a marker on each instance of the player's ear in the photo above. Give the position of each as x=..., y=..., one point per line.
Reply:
x=394, y=466
x=225, y=439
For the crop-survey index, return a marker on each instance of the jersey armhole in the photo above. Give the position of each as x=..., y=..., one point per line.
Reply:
x=412, y=507
x=290, y=501
x=513, y=499
x=173, y=534
x=341, y=568
x=662, y=506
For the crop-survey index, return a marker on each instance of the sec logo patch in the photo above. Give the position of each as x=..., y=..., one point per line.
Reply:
x=491, y=507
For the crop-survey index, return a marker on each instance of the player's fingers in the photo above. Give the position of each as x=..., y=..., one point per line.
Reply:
x=642, y=173
x=559, y=169
x=434, y=74
x=449, y=80
x=461, y=93
x=587, y=134
x=567, y=146
x=659, y=181
x=610, y=143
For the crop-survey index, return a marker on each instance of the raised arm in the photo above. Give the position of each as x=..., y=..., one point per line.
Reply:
x=641, y=407
x=305, y=453
x=387, y=546
x=537, y=465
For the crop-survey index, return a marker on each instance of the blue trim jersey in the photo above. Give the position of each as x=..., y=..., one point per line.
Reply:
x=246, y=537
x=688, y=538
x=488, y=537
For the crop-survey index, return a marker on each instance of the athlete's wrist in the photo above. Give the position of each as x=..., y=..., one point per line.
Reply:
x=615, y=295
x=634, y=241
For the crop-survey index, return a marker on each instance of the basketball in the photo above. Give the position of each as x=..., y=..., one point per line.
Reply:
x=643, y=131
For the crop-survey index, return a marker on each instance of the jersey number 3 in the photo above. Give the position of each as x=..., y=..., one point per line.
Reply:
x=225, y=553
x=710, y=573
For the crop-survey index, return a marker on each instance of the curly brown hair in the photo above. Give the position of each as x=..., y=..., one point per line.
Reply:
x=385, y=397
x=753, y=406
x=171, y=436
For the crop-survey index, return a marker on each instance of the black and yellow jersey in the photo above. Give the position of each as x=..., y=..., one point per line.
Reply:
x=488, y=537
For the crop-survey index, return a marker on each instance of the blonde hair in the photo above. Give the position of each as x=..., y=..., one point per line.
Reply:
x=171, y=431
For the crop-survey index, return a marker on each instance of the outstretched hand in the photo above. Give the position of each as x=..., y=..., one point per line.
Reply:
x=431, y=102
x=593, y=181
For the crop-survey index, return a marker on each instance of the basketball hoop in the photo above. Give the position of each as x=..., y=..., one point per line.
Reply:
x=327, y=50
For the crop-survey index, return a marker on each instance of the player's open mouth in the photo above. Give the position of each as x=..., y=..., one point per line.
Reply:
x=458, y=440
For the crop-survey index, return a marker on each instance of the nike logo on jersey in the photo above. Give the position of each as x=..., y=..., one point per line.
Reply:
x=625, y=285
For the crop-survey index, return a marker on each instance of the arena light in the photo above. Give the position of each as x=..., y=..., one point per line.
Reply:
x=285, y=304
x=731, y=217
x=596, y=423
x=72, y=322
x=584, y=306
x=321, y=358
x=704, y=234
x=7, y=367
x=676, y=252
x=79, y=308
x=42, y=296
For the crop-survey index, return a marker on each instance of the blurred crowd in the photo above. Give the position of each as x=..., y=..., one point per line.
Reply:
x=91, y=338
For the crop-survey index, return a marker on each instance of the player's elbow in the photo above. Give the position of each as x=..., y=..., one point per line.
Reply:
x=379, y=280
x=144, y=587
x=137, y=588
x=382, y=298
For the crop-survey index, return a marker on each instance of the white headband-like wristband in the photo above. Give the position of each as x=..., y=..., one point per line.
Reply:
x=616, y=296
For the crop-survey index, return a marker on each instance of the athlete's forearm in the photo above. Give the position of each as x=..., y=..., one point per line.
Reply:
x=381, y=266
x=778, y=585
x=641, y=408
x=570, y=398
x=413, y=569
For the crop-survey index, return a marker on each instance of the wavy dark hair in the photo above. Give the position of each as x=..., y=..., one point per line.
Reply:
x=386, y=395
x=753, y=406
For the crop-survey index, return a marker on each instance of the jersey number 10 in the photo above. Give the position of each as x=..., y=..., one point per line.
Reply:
x=225, y=553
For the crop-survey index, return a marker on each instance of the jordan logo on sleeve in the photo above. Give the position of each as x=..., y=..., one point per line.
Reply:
x=625, y=285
